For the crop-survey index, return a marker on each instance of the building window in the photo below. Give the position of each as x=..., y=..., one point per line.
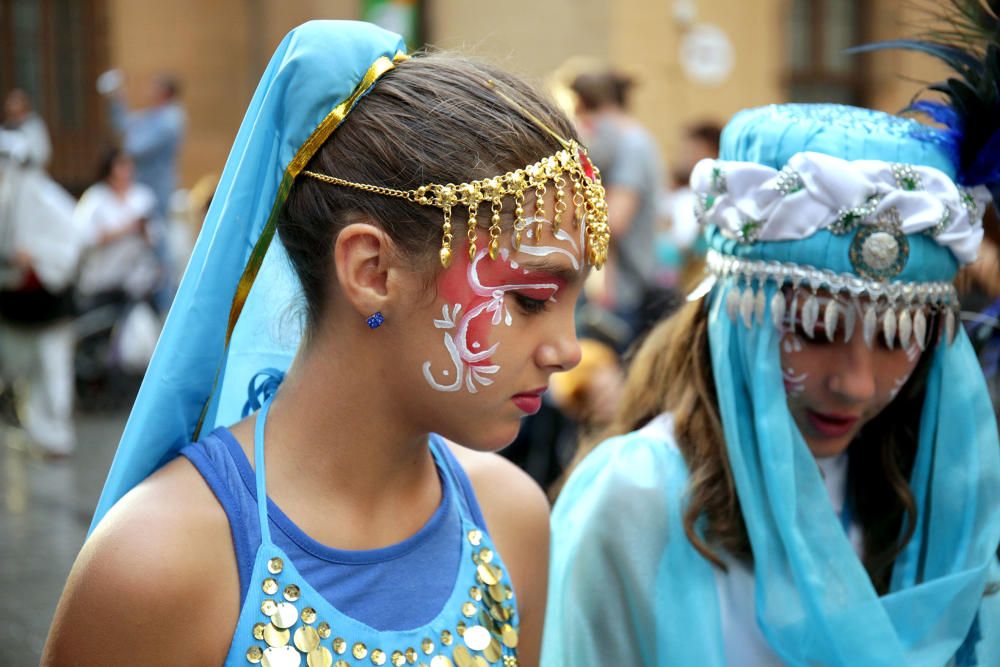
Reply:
x=54, y=50
x=817, y=69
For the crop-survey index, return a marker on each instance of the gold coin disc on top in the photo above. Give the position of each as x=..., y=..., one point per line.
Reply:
x=306, y=639
x=285, y=615
x=275, y=636
x=493, y=651
x=509, y=635
x=442, y=661
x=281, y=656
x=476, y=637
x=487, y=574
x=319, y=657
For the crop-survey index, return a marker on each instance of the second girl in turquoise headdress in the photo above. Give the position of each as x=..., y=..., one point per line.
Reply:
x=435, y=219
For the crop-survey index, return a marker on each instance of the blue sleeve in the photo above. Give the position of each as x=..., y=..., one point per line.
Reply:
x=147, y=133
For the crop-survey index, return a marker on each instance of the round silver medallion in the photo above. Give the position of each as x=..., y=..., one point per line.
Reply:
x=880, y=251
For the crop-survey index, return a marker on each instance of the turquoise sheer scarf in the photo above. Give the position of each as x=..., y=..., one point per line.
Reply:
x=209, y=348
x=815, y=603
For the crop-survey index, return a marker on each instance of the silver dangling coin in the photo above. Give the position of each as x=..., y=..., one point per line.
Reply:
x=810, y=313
x=868, y=326
x=760, y=304
x=920, y=328
x=746, y=306
x=778, y=309
x=905, y=328
x=889, y=327
x=849, y=318
x=830, y=318
x=733, y=301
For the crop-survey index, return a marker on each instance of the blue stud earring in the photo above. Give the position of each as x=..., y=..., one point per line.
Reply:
x=376, y=320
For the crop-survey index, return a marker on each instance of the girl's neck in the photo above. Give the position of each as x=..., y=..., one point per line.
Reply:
x=331, y=443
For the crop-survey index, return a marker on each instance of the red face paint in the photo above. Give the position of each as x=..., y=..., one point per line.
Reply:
x=485, y=282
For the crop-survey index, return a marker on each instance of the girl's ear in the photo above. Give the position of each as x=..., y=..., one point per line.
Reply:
x=362, y=257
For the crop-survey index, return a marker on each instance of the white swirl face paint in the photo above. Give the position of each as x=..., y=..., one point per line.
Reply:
x=476, y=303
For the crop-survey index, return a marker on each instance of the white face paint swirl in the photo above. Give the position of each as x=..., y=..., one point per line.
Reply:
x=795, y=383
x=468, y=367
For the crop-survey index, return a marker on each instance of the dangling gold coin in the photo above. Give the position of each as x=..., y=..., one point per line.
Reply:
x=509, y=635
x=308, y=615
x=486, y=574
x=281, y=656
x=306, y=639
x=275, y=636
x=285, y=615
x=493, y=651
x=320, y=657
x=442, y=661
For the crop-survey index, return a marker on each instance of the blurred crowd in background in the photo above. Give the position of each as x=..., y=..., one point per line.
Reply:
x=86, y=282
x=86, y=277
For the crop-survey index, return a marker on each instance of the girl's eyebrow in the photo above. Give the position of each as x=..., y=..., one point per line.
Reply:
x=562, y=272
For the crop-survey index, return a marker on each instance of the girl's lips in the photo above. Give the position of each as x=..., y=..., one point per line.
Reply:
x=831, y=425
x=529, y=403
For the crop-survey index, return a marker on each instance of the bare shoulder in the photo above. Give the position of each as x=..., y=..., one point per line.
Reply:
x=159, y=566
x=517, y=515
x=508, y=496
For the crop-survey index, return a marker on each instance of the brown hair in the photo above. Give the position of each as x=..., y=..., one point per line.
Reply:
x=672, y=372
x=432, y=119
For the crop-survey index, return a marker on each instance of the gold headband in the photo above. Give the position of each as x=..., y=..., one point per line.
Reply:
x=570, y=163
x=572, y=160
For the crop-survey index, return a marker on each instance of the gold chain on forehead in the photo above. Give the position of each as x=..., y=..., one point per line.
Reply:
x=568, y=167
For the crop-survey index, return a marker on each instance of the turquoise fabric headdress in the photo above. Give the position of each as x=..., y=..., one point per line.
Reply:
x=863, y=205
x=219, y=331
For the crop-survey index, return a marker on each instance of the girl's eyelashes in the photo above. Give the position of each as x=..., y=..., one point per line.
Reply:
x=529, y=305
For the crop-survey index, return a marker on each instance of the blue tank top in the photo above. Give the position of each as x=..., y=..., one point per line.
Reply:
x=441, y=597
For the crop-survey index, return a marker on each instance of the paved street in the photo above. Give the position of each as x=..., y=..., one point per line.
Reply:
x=45, y=511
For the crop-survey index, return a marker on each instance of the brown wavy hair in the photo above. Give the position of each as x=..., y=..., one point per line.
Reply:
x=672, y=372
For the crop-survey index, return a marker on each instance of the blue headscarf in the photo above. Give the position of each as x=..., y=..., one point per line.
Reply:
x=219, y=331
x=815, y=603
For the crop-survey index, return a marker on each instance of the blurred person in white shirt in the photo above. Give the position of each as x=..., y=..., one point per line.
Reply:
x=39, y=255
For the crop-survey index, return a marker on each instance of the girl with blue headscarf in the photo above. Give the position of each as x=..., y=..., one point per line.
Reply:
x=433, y=219
x=809, y=471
